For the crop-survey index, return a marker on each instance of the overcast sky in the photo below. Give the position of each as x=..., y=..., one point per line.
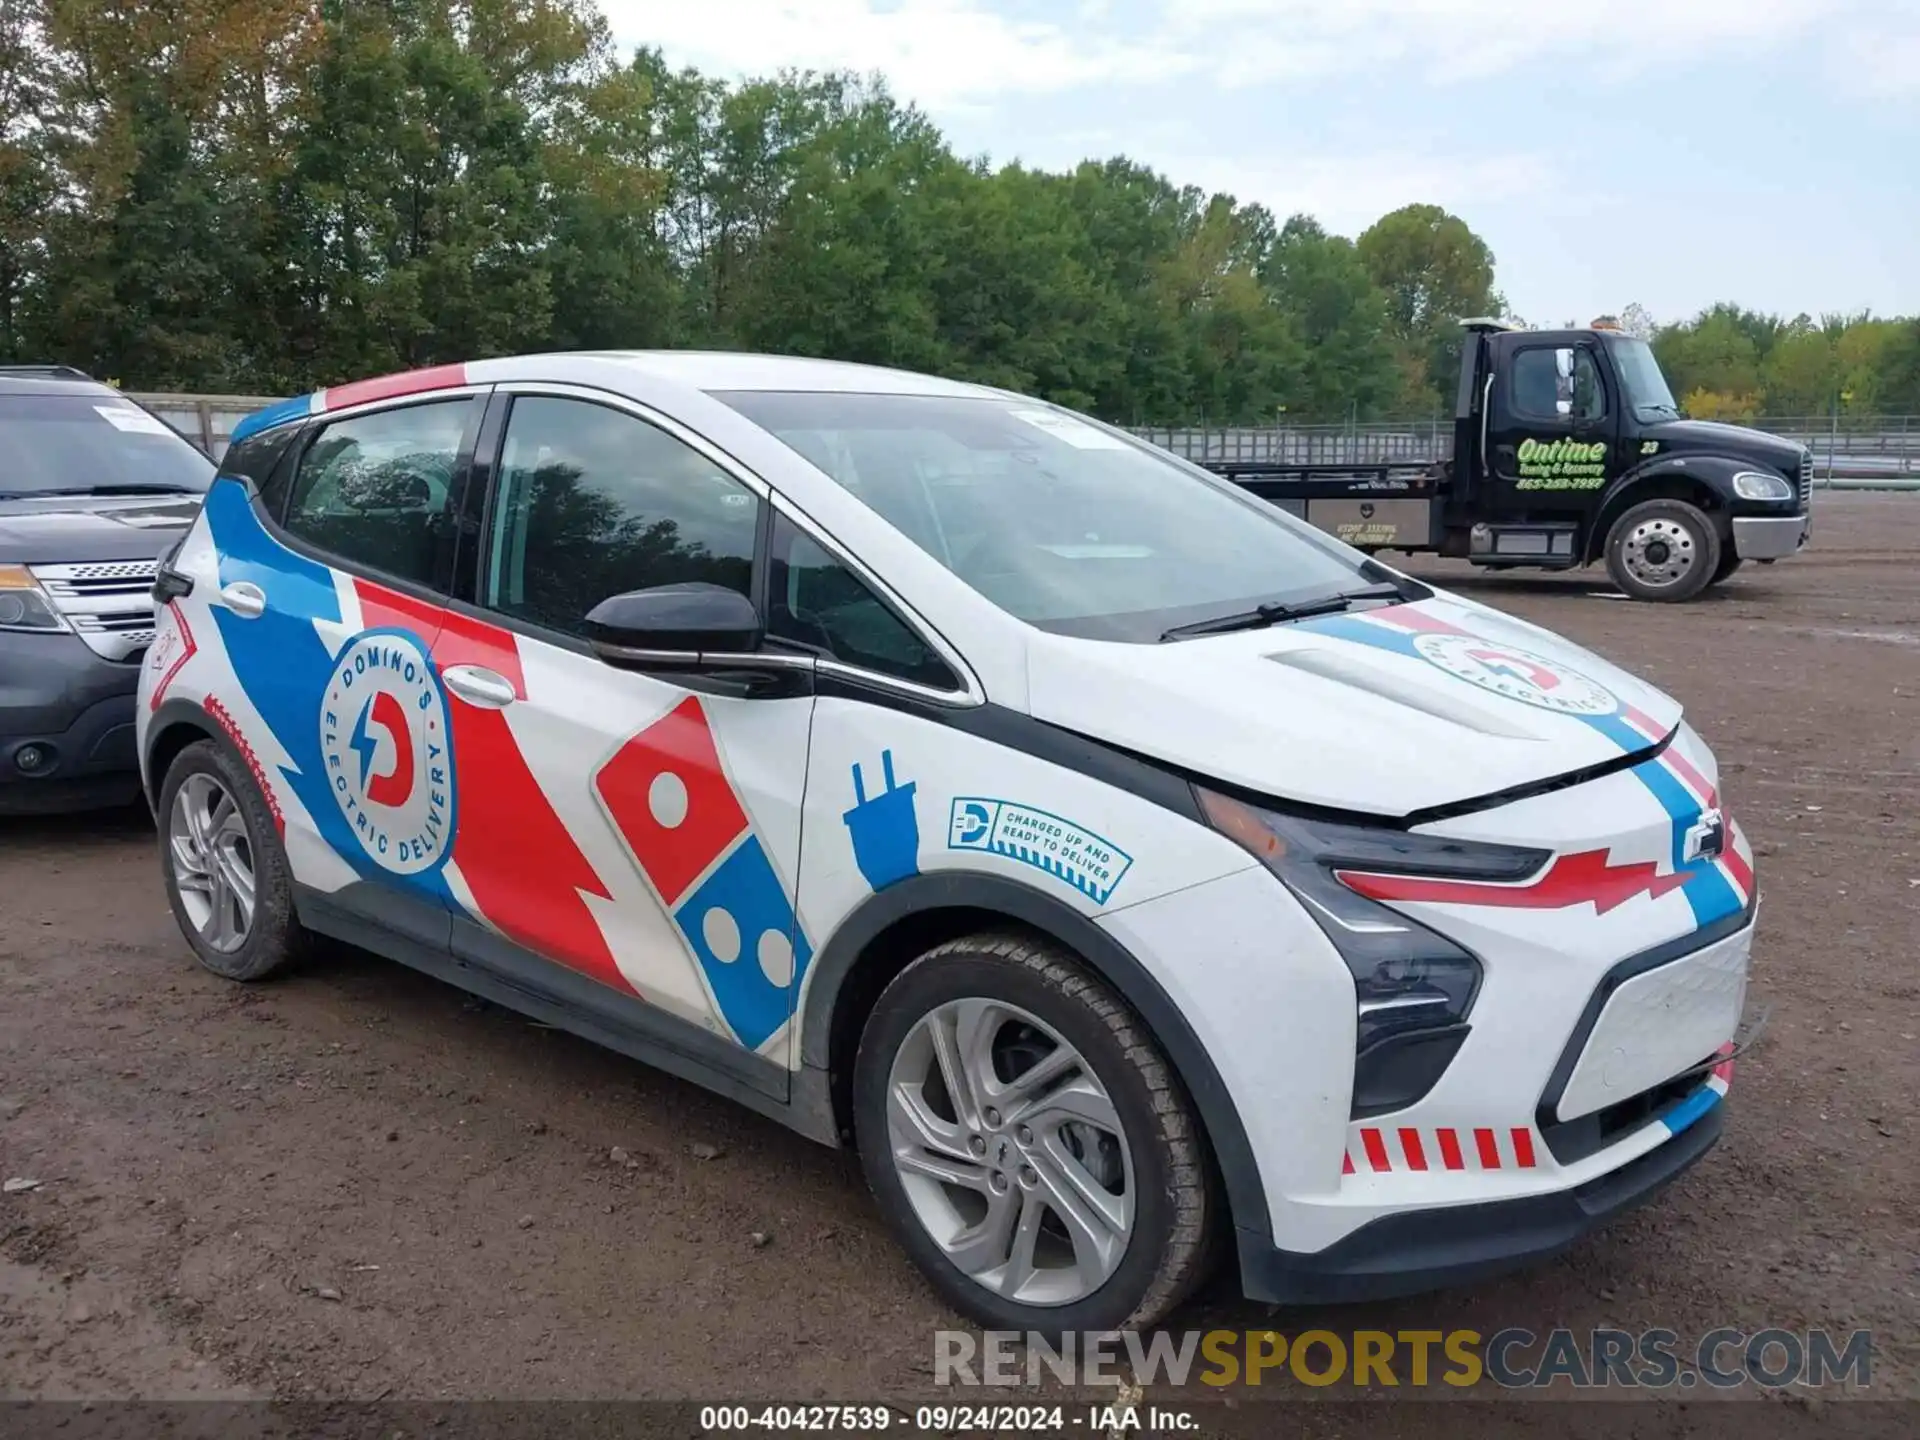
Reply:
x=1670, y=152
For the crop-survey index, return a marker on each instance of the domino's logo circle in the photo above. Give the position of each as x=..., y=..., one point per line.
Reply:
x=1523, y=675
x=385, y=740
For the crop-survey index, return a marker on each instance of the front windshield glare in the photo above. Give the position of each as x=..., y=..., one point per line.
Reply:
x=1059, y=522
x=1647, y=390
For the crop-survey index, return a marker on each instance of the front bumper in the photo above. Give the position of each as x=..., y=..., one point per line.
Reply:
x=1770, y=537
x=71, y=705
x=1414, y=1251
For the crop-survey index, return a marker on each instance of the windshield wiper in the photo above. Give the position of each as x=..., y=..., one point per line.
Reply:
x=100, y=490
x=1275, y=613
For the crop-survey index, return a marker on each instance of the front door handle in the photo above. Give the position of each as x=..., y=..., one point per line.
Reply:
x=245, y=599
x=477, y=685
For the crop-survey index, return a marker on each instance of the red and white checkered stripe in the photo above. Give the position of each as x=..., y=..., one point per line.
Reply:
x=1382, y=1149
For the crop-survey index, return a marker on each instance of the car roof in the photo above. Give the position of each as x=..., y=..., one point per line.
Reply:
x=37, y=385
x=731, y=370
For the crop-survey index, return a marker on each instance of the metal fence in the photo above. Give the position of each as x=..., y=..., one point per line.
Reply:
x=1851, y=452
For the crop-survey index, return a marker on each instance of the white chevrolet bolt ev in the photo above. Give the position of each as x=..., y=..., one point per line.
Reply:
x=1119, y=864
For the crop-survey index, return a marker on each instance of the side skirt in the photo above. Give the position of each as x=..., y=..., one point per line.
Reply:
x=516, y=979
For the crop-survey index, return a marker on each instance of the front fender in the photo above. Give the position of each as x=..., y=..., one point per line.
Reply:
x=1707, y=479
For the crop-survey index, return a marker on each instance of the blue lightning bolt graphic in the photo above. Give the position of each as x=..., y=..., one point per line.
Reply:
x=364, y=744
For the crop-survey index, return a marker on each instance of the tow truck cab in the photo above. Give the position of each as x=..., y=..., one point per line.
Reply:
x=1561, y=435
x=1568, y=448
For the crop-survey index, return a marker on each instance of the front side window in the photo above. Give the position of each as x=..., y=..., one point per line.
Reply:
x=94, y=444
x=1562, y=383
x=376, y=491
x=592, y=503
x=815, y=601
x=1059, y=522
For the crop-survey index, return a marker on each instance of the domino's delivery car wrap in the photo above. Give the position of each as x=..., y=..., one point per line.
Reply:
x=1115, y=861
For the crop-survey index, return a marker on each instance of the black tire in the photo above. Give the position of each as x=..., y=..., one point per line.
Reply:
x=1679, y=533
x=1169, y=1249
x=275, y=938
x=1729, y=562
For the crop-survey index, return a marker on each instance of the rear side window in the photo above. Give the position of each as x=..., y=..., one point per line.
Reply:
x=593, y=503
x=377, y=491
x=92, y=444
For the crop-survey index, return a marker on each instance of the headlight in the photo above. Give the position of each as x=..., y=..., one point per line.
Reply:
x=23, y=604
x=1756, y=485
x=1414, y=987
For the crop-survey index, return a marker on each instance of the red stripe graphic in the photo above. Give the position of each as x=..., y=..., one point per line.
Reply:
x=1450, y=1151
x=1523, y=1148
x=1408, y=617
x=187, y=651
x=1376, y=1149
x=1410, y=1144
x=1584, y=879
x=386, y=387
x=1346, y=1163
x=514, y=852
x=1489, y=1152
x=1643, y=722
x=1695, y=781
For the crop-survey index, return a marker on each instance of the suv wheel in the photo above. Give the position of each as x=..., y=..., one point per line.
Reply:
x=1028, y=1143
x=226, y=871
x=1663, y=550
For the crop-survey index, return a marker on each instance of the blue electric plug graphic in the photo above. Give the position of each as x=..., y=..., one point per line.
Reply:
x=886, y=836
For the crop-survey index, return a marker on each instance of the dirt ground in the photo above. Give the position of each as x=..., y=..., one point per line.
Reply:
x=357, y=1184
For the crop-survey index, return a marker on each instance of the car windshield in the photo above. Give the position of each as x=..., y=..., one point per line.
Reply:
x=1058, y=521
x=1646, y=387
x=66, y=444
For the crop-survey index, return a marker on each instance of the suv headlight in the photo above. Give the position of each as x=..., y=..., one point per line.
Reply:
x=23, y=604
x=1414, y=987
x=1757, y=485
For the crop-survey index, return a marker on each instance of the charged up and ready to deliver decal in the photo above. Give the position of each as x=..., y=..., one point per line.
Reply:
x=1091, y=864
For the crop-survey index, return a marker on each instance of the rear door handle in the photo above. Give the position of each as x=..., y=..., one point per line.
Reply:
x=479, y=686
x=244, y=599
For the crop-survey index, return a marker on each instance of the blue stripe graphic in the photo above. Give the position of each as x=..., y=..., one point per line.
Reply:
x=296, y=409
x=1690, y=1109
x=1708, y=892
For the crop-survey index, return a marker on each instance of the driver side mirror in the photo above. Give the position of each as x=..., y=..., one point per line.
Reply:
x=683, y=623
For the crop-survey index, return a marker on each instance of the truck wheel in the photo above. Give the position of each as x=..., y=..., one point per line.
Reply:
x=226, y=872
x=1663, y=550
x=1027, y=1142
x=1729, y=562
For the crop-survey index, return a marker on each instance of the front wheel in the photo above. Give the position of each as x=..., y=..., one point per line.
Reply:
x=1027, y=1142
x=1729, y=562
x=1664, y=550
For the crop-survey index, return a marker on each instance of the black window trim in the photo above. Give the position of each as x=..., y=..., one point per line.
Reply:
x=438, y=591
x=1569, y=421
x=486, y=470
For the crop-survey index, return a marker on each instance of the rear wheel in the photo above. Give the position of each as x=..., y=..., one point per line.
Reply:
x=226, y=872
x=1027, y=1142
x=1663, y=550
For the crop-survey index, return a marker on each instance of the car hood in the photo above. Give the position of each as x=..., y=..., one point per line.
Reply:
x=1382, y=712
x=79, y=529
x=1705, y=437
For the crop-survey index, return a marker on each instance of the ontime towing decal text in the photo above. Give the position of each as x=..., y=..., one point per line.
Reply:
x=1562, y=465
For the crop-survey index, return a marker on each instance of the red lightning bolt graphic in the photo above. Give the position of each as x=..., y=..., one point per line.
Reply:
x=1583, y=879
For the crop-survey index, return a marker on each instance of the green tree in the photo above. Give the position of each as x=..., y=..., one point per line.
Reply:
x=1434, y=272
x=1321, y=283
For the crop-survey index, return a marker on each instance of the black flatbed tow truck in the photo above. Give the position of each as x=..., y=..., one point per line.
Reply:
x=1568, y=449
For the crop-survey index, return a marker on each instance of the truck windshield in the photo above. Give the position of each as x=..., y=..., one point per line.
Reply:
x=1060, y=522
x=1646, y=387
x=92, y=444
